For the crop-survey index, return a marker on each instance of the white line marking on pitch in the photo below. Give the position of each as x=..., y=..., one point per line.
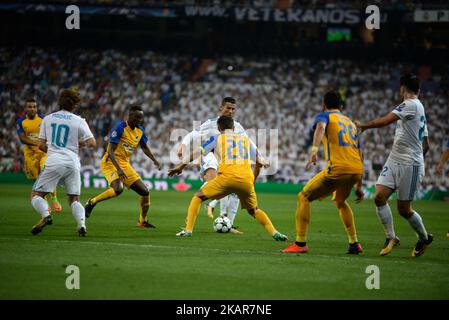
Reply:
x=120, y=244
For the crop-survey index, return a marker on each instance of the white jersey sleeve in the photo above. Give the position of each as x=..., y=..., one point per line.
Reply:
x=238, y=128
x=63, y=130
x=190, y=137
x=405, y=111
x=84, y=133
x=43, y=131
x=411, y=128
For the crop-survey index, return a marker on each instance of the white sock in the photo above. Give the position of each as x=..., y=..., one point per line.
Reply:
x=213, y=203
x=224, y=206
x=40, y=205
x=415, y=222
x=386, y=218
x=79, y=214
x=233, y=206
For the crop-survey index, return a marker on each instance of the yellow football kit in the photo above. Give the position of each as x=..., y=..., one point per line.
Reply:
x=33, y=157
x=342, y=152
x=234, y=154
x=127, y=141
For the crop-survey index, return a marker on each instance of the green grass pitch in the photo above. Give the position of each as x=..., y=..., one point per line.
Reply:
x=117, y=260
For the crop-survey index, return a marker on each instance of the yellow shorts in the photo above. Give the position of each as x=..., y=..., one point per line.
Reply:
x=110, y=173
x=323, y=185
x=221, y=186
x=33, y=164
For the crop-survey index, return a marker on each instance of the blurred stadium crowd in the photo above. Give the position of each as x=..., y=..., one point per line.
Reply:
x=174, y=90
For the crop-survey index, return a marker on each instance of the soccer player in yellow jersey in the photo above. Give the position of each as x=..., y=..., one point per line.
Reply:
x=28, y=127
x=344, y=169
x=125, y=137
x=234, y=153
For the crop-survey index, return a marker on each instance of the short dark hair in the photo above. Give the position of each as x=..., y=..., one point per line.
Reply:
x=332, y=100
x=410, y=82
x=225, y=122
x=30, y=100
x=68, y=99
x=134, y=107
x=229, y=100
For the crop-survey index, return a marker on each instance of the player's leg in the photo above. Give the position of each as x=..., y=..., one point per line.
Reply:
x=414, y=219
x=52, y=196
x=209, y=168
x=114, y=190
x=141, y=189
x=224, y=204
x=385, y=186
x=233, y=206
x=41, y=206
x=385, y=216
x=260, y=216
x=345, y=211
x=78, y=213
x=410, y=179
x=214, y=189
x=248, y=198
x=46, y=182
x=228, y=208
x=317, y=187
x=72, y=184
x=192, y=214
x=211, y=207
x=32, y=170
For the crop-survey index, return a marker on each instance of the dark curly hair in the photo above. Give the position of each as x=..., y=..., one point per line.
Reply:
x=69, y=99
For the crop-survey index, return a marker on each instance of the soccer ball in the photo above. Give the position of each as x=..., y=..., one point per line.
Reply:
x=222, y=224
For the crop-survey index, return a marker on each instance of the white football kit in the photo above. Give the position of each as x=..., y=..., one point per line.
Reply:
x=404, y=168
x=206, y=130
x=62, y=130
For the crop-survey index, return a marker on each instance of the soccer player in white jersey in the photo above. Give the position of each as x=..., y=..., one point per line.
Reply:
x=404, y=169
x=209, y=165
x=61, y=135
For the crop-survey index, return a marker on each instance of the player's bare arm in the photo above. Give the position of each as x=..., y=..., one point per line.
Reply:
x=317, y=137
x=150, y=154
x=359, y=192
x=113, y=147
x=180, y=152
x=42, y=144
x=180, y=167
x=425, y=145
x=377, y=123
x=444, y=158
x=26, y=140
x=90, y=143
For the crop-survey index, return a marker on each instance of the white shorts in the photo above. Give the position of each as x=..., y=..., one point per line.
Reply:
x=51, y=176
x=405, y=179
x=208, y=162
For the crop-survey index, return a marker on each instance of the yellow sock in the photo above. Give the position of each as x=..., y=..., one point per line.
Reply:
x=194, y=209
x=144, y=206
x=263, y=219
x=347, y=217
x=109, y=193
x=302, y=218
x=53, y=194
